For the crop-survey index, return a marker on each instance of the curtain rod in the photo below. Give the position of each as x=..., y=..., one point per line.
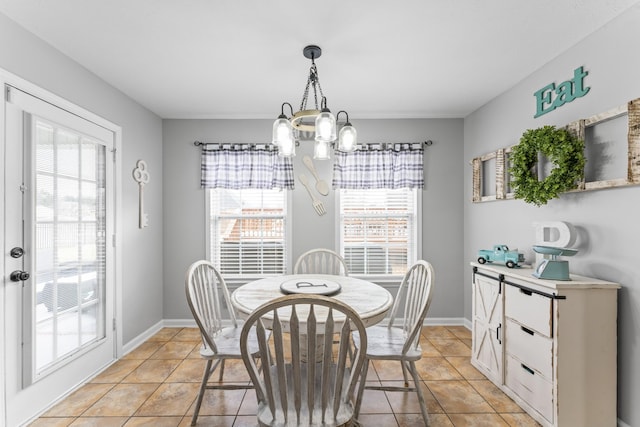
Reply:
x=235, y=146
x=372, y=145
x=427, y=143
x=203, y=144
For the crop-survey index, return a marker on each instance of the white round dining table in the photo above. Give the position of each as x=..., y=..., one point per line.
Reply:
x=371, y=301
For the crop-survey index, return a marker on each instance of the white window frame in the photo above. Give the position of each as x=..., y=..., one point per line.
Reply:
x=417, y=250
x=242, y=279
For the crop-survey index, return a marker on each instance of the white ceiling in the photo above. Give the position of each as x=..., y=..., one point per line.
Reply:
x=243, y=58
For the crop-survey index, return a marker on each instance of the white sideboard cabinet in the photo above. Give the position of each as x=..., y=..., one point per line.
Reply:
x=549, y=345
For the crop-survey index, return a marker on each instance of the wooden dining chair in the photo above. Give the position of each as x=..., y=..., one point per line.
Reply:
x=206, y=291
x=321, y=261
x=401, y=342
x=309, y=380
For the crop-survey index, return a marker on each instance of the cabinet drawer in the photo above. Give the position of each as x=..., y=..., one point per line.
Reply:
x=530, y=386
x=533, y=349
x=529, y=309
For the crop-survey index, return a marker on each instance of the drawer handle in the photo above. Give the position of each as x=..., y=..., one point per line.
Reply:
x=528, y=369
x=525, y=291
x=527, y=330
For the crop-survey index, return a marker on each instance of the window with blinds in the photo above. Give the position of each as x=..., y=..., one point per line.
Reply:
x=247, y=231
x=379, y=231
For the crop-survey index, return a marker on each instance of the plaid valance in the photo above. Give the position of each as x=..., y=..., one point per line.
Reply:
x=391, y=166
x=240, y=166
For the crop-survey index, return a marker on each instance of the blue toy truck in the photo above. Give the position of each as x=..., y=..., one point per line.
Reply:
x=501, y=254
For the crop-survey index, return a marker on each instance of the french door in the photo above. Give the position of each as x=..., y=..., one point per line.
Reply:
x=59, y=265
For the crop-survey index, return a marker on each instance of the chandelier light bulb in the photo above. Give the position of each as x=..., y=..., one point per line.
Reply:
x=322, y=150
x=325, y=127
x=282, y=132
x=287, y=148
x=348, y=139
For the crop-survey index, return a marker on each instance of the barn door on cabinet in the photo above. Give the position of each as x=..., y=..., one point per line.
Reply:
x=487, y=307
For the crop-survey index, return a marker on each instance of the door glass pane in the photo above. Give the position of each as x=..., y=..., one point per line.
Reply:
x=69, y=244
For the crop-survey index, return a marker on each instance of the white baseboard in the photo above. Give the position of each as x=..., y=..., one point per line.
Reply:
x=432, y=321
x=446, y=321
x=467, y=323
x=179, y=323
x=190, y=323
x=622, y=423
x=134, y=343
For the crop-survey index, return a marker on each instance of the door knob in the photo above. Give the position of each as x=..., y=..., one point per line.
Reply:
x=19, y=276
x=16, y=252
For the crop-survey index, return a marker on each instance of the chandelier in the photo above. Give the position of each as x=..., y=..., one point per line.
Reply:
x=320, y=120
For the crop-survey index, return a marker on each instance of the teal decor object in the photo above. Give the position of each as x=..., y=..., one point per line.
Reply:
x=501, y=254
x=553, y=268
x=551, y=96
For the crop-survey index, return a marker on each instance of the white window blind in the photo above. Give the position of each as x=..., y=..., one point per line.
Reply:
x=378, y=230
x=247, y=231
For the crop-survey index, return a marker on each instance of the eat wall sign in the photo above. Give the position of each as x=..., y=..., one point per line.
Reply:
x=551, y=96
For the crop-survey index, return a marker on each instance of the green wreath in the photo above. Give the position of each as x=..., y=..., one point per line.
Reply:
x=562, y=148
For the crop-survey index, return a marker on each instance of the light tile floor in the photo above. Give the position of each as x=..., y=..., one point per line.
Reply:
x=157, y=383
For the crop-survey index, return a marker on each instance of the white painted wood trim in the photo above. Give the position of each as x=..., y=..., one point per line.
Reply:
x=144, y=336
x=190, y=323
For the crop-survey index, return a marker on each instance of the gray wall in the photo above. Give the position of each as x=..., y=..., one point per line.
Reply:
x=442, y=203
x=607, y=220
x=32, y=59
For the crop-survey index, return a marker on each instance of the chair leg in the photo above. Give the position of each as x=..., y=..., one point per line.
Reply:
x=203, y=387
x=259, y=362
x=404, y=373
x=221, y=371
x=416, y=381
x=363, y=380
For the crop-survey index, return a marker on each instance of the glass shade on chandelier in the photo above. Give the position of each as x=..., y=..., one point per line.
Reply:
x=348, y=140
x=325, y=125
x=283, y=136
x=320, y=121
x=322, y=150
x=348, y=137
x=287, y=149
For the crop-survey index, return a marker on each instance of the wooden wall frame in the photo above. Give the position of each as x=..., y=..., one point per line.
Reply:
x=579, y=127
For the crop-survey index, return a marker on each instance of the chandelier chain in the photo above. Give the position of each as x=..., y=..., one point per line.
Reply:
x=314, y=81
x=319, y=88
x=305, y=94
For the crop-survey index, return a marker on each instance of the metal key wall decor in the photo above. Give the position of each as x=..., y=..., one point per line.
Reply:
x=141, y=176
